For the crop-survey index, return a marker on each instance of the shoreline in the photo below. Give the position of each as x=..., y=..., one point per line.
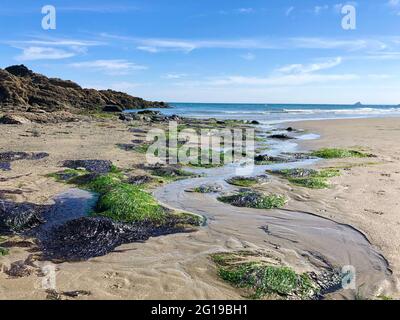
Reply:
x=169, y=244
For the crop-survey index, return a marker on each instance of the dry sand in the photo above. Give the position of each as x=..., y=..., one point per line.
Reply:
x=177, y=266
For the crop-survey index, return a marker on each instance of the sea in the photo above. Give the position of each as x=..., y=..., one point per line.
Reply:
x=278, y=113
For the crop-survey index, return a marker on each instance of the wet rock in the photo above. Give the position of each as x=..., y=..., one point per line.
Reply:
x=19, y=217
x=112, y=108
x=19, y=269
x=245, y=198
x=255, y=122
x=243, y=180
x=281, y=137
x=5, y=166
x=139, y=180
x=127, y=146
x=89, y=237
x=76, y=293
x=94, y=166
x=14, y=156
x=290, y=129
x=149, y=112
x=207, y=188
x=265, y=159
x=297, y=173
x=171, y=172
x=294, y=156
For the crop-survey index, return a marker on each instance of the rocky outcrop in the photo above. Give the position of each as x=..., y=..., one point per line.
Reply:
x=22, y=90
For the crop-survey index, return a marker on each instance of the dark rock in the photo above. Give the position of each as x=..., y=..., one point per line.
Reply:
x=19, y=217
x=245, y=198
x=207, y=188
x=94, y=166
x=255, y=122
x=139, y=180
x=19, y=269
x=19, y=71
x=297, y=173
x=76, y=293
x=280, y=137
x=5, y=166
x=290, y=129
x=89, y=237
x=127, y=146
x=265, y=159
x=112, y=108
x=149, y=112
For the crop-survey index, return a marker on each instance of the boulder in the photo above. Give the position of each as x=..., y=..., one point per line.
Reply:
x=112, y=108
x=94, y=166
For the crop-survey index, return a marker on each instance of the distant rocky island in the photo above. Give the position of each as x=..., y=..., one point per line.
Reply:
x=30, y=95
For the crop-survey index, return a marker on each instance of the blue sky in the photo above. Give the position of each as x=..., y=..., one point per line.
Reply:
x=276, y=51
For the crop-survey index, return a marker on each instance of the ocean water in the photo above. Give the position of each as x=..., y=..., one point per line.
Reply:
x=276, y=113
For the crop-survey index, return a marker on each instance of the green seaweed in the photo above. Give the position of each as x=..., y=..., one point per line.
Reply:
x=336, y=153
x=4, y=251
x=262, y=279
x=313, y=180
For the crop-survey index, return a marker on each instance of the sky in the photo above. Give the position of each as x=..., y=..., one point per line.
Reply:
x=270, y=51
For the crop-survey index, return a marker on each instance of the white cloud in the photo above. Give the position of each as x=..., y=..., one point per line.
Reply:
x=174, y=76
x=289, y=11
x=155, y=45
x=97, y=9
x=112, y=67
x=245, y=10
x=319, y=9
x=51, y=48
x=44, y=53
x=313, y=67
x=394, y=3
x=283, y=80
x=248, y=56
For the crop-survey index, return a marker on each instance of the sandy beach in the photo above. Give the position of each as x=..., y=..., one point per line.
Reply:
x=178, y=266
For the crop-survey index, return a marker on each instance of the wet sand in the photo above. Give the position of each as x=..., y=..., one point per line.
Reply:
x=178, y=266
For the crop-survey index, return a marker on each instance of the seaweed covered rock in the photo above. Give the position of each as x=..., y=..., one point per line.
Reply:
x=248, y=181
x=297, y=172
x=19, y=217
x=280, y=137
x=94, y=166
x=7, y=157
x=140, y=180
x=207, y=188
x=264, y=159
x=89, y=237
x=252, y=199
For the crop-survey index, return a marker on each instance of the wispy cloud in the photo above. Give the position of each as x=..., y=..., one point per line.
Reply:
x=313, y=67
x=44, y=53
x=98, y=8
x=174, y=76
x=288, y=76
x=319, y=9
x=51, y=48
x=112, y=67
x=155, y=45
x=248, y=56
x=289, y=11
x=394, y=5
